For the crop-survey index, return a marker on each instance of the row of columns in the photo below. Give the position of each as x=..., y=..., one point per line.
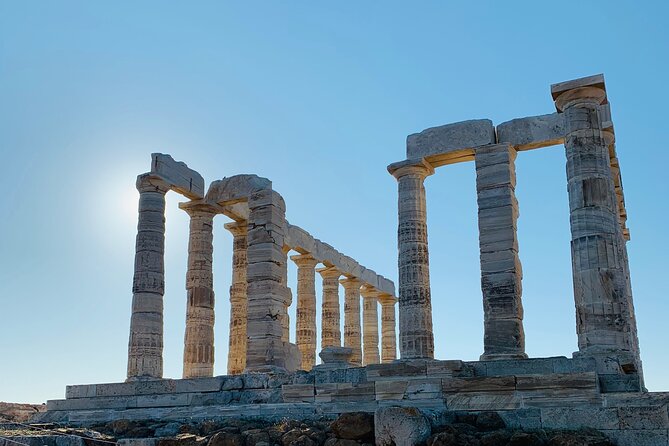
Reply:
x=264, y=275
x=602, y=291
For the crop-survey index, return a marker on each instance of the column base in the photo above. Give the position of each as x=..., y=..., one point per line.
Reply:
x=502, y=356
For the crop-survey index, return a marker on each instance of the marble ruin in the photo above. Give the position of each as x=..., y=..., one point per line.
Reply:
x=601, y=386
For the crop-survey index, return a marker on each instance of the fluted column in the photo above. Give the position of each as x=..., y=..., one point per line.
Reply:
x=238, y=303
x=501, y=273
x=370, y=325
x=145, y=346
x=330, y=328
x=352, y=335
x=604, y=308
x=388, y=337
x=415, y=306
x=306, y=309
x=198, y=359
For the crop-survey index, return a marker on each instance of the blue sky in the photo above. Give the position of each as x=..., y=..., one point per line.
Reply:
x=318, y=98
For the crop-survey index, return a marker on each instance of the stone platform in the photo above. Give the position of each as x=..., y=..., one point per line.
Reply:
x=553, y=393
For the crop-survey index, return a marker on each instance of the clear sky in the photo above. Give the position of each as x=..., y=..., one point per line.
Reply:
x=318, y=98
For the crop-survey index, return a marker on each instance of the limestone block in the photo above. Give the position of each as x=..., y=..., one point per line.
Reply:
x=235, y=188
x=400, y=426
x=479, y=384
x=390, y=390
x=574, y=418
x=446, y=368
x=164, y=400
x=181, y=179
x=298, y=393
x=402, y=368
x=534, y=366
x=532, y=132
x=586, y=380
x=424, y=389
x=643, y=417
x=483, y=401
x=450, y=138
x=336, y=356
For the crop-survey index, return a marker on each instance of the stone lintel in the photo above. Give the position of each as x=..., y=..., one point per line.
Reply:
x=202, y=206
x=401, y=167
x=532, y=132
x=449, y=138
x=178, y=175
x=301, y=241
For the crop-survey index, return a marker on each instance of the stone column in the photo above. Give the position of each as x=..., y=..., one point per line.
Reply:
x=415, y=306
x=388, y=337
x=370, y=326
x=285, y=322
x=501, y=273
x=238, y=303
x=604, y=310
x=330, y=328
x=306, y=309
x=145, y=347
x=352, y=335
x=266, y=291
x=198, y=357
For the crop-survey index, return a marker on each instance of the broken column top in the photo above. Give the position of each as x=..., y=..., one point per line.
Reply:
x=178, y=175
x=596, y=81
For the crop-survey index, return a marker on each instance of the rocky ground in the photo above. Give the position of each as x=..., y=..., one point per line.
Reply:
x=484, y=429
x=19, y=412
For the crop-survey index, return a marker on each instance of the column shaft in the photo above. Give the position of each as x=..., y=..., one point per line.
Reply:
x=352, y=328
x=370, y=327
x=388, y=337
x=238, y=301
x=415, y=306
x=604, y=309
x=198, y=357
x=330, y=314
x=501, y=273
x=266, y=291
x=145, y=346
x=306, y=309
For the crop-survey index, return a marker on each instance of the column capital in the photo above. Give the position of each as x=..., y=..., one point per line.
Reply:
x=329, y=272
x=198, y=207
x=586, y=90
x=237, y=228
x=351, y=283
x=415, y=167
x=148, y=182
x=305, y=260
x=387, y=299
x=369, y=292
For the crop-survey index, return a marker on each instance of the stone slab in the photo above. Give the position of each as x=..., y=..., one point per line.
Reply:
x=181, y=178
x=532, y=132
x=453, y=139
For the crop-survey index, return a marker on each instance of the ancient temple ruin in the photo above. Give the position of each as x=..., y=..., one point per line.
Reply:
x=601, y=386
x=259, y=296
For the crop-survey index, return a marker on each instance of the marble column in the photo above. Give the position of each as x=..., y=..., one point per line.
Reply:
x=388, y=337
x=370, y=325
x=306, y=309
x=266, y=291
x=604, y=309
x=501, y=273
x=238, y=303
x=145, y=347
x=198, y=359
x=330, y=314
x=415, y=306
x=352, y=335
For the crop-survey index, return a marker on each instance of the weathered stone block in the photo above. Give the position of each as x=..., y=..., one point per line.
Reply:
x=293, y=393
x=479, y=384
x=532, y=132
x=574, y=418
x=483, y=401
x=182, y=179
x=450, y=138
x=585, y=380
x=390, y=390
x=643, y=417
